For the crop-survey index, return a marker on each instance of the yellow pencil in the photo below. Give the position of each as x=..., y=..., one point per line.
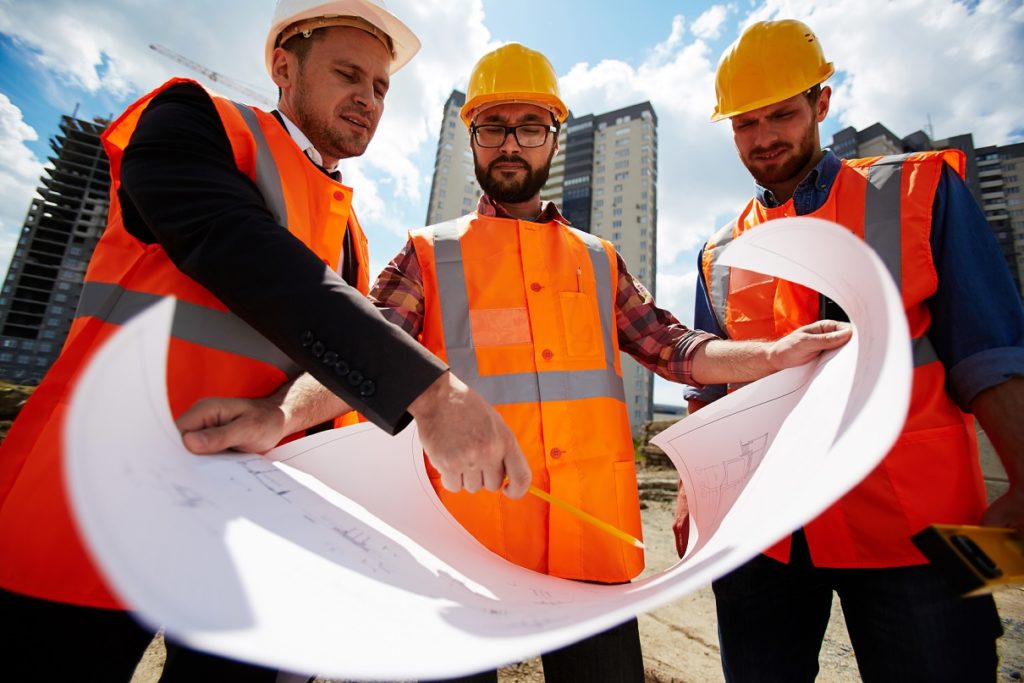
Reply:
x=590, y=519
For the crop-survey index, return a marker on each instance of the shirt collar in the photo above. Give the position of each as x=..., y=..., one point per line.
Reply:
x=489, y=208
x=304, y=144
x=813, y=190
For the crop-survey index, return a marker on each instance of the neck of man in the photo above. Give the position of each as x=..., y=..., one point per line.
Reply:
x=527, y=210
x=284, y=106
x=783, y=191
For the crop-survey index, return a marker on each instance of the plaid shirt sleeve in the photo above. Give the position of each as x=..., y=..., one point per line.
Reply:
x=652, y=335
x=398, y=291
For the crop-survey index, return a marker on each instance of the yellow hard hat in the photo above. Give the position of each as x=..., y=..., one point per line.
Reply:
x=770, y=62
x=513, y=73
x=292, y=17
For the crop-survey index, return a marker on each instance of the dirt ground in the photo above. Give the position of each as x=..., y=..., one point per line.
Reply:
x=679, y=640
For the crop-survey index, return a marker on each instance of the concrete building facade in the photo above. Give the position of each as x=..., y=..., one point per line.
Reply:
x=64, y=223
x=603, y=180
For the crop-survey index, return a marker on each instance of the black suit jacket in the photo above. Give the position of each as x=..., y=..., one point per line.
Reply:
x=180, y=188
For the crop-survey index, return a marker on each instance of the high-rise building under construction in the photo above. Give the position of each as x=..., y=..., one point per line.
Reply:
x=63, y=225
x=604, y=181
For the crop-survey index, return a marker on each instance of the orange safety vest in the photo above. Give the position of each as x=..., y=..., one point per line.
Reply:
x=524, y=313
x=212, y=352
x=932, y=474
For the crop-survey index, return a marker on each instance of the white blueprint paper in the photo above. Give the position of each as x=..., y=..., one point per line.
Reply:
x=333, y=555
x=815, y=422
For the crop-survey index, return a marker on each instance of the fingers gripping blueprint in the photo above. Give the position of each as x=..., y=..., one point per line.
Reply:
x=331, y=554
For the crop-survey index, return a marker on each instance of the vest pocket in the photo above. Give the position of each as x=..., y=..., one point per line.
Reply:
x=579, y=324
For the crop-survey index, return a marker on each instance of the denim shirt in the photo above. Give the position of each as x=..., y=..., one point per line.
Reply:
x=977, y=317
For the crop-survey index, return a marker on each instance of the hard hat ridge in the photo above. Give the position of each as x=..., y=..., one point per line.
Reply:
x=292, y=17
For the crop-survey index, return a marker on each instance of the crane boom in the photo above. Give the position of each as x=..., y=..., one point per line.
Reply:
x=254, y=94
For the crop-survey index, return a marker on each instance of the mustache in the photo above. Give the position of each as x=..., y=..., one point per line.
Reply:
x=778, y=147
x=508, y=159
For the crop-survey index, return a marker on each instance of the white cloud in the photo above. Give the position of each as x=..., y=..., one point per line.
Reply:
x=912, y=60
x=699, y=179
x=19, y=175
x=709, y=24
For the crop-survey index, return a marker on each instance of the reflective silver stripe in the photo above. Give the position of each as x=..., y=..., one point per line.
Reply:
x=521, y=387
x=882, y=229
x=924, y=352
x=453, y=297
x=268, y=178
x=605, y=302
x=193, y=323
x=718, y=287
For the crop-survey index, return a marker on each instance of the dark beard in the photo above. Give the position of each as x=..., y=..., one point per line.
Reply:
x=513, y=192
x=796, y=165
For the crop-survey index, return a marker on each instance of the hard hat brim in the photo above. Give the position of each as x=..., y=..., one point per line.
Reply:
x=482, y=102
x=827, y=71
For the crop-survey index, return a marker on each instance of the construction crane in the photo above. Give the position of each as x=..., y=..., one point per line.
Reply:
x=252, y=93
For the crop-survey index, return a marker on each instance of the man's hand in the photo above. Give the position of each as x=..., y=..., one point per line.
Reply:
x=721, y=361
x=999, y=409
x=1006, y=511
x=681, y=521
x=467, y=441
x=805, y=344
x=214, y=425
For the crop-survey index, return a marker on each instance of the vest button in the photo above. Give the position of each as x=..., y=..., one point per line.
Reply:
x=339, y=195
x=368, y=388
x=341, y=368
x=306, y=339
x=318, y=349
x=535, y=286
x=355, y=378
x=547, y=354
x=556, y=453
x=330, y=358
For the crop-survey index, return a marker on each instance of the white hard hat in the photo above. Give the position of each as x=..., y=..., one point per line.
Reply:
x=368, y=16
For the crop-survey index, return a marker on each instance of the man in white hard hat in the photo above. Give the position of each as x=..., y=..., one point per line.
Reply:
x=241, y=215
x=967, y=329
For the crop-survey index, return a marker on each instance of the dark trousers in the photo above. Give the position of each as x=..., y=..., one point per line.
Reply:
x=610, y=657
x=54, y=641
x=905, y=624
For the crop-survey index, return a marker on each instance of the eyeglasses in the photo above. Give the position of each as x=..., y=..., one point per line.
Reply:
x=526, y=134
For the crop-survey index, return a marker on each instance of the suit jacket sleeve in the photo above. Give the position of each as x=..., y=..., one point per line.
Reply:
x=181, y=189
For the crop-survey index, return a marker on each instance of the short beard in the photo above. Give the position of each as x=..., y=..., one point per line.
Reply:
x=796, y=164
x=513, y=191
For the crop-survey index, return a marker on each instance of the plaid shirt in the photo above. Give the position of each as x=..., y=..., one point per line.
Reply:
x=649, y=334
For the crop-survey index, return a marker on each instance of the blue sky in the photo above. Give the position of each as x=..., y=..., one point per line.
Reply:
x=902, y=62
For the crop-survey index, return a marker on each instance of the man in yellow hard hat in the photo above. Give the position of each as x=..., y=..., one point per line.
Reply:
x=533, y=314
x=241, y=215
x=967, y=325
